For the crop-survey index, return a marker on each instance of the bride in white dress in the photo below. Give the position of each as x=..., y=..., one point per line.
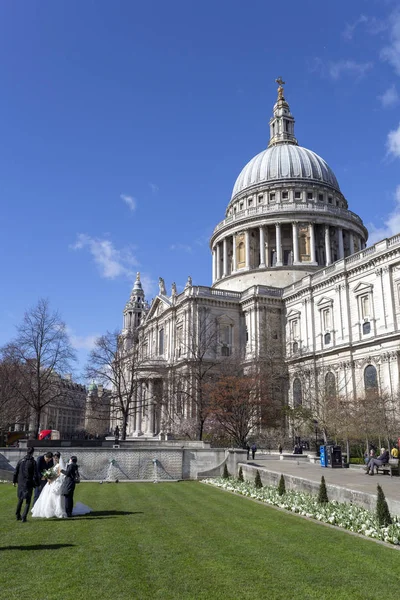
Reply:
x=50, y=502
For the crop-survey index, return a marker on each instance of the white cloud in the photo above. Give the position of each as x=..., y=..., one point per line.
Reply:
x=391, y=52
x=391, y=225
x=154, y=188
x=393, y=142
x=181, y=247
x=349, y=67
x=130, y=201
x=389, y=98
x=350, y=27
x=82, y=342
x=111, y=262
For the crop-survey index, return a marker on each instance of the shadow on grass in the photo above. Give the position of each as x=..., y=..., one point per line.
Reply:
x=109, y=513
x=38, y=547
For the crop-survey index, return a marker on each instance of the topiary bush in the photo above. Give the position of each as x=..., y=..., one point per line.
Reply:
x=257, y=481
x=225, y=474
x=322, y=494
x=382, y=509
x=282, y=486
x=240, y=475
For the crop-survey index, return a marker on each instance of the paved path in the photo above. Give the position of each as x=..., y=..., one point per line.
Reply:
x=352, y=478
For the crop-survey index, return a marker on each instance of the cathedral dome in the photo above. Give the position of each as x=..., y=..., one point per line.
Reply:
x=283, y=162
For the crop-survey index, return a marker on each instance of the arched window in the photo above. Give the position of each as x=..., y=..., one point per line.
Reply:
x=330, y=385
x=297, y=393
x=370, y=378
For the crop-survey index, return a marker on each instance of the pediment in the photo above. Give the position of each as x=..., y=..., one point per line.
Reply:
x=158, y=306
x=293, y=314
x=363, y=288
x=225, y=320
x=325, y=302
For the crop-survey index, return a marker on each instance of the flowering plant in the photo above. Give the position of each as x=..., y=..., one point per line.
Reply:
x=348, y=516
x=49, y=474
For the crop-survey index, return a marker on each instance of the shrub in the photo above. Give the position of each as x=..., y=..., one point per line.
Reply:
x=225, y=474
x=281, y=486
x=382, y=509
x=322, y=494
x=257, y=481
x=240, y=476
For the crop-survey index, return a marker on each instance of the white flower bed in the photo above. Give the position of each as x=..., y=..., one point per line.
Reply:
x=347, y=516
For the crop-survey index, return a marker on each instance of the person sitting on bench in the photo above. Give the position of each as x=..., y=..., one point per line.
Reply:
x=382, y=459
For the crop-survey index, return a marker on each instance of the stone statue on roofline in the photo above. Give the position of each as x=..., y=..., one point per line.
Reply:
x=189, y=282
x=161, y=285
x=173, y=289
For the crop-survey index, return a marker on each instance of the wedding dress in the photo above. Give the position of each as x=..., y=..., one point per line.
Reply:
x=51, y=503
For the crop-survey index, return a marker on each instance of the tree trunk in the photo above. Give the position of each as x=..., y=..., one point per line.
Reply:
x=37, y=424
x=124, y=426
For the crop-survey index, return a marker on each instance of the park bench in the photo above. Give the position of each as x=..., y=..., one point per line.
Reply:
x=391, y=468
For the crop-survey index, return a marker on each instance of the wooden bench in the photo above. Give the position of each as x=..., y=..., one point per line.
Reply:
x=391, y=468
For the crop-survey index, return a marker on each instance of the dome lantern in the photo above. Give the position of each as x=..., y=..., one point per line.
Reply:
x=282, y=122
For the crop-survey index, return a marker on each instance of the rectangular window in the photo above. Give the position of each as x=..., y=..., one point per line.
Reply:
x=297, y=194
x=326, y=318
x=294, y=326
x=272, y=197
x=260, y=199
x=285, y=195
x=321, y=197
x=364, y=302
x=309, y=195
x=250, y=202
x=161, y=342
x=330, y=199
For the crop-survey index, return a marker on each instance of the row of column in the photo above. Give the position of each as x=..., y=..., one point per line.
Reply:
x=220, y=267
x=144, y=414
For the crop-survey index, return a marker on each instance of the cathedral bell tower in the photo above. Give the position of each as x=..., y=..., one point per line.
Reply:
x=282, y=122
x=136, y=308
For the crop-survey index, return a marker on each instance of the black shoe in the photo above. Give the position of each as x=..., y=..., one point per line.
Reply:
x=23, y=520
x=18, y=517
x=372, y=474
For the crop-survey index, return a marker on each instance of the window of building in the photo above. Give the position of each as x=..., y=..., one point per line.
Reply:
x=297, y=393
x=272, y=197
x=250, y=201
x=295, y=347
x=364, y=306
x=225, y=351
x=161, y=342
x=241, y=206
x=260, y=199
x=330, y=199
x=294, y=329
x=321, y=197
x=370, y=378
x=327, y=339
x=326, y=319
x=309, y=195
x=366, y=328
x=287, y=126
x=285, y=195
x=330, y=385
x=297, y=194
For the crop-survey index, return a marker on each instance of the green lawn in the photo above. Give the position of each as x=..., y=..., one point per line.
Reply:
x=185, y=540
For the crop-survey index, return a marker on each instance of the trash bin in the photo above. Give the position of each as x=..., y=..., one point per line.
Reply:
x=323, y=456
x=335, y=457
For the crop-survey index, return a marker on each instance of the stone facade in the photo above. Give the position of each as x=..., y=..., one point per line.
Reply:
x=289, y=266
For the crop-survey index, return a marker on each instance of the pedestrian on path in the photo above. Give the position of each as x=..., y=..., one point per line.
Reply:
x=253, y=451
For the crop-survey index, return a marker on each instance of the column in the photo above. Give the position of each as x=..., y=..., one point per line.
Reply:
x=262, y=247
x=295, y=243
x=218, y=261
x=234, y=253
x=139, y=409
x=150, y=409
x=312, y=243
x=247, y=248
x=278, y=245
x=351, y=243
x=328, y=254
x=214, y=265
x=225, y=258
x=266, y=252
x=340, y=242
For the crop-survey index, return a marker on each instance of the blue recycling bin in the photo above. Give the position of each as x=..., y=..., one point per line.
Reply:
x=323, y=456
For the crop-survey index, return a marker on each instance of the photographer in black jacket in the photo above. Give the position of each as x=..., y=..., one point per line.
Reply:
x=25, y=475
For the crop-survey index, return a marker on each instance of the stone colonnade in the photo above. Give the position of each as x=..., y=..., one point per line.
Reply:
x=234, y=252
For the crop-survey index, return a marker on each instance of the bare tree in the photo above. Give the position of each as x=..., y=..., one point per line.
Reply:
x=40, y=352
x=116, y=362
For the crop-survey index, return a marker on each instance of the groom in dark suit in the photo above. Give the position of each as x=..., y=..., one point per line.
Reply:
x=71, y=477
x=42, y=463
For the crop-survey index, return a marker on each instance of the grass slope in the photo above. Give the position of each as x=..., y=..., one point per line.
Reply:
x=185, y=540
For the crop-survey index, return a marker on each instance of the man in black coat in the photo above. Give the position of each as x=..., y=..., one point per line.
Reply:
x=42, y=463
x=68, y=487
x=25, y=475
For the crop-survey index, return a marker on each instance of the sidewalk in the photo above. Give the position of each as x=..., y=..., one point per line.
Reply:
x=352, y=479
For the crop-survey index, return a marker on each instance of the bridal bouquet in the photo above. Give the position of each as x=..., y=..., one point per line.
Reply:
x=49, y=474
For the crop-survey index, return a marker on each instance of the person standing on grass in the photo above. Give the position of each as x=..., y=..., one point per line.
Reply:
x=25, y=475
x=43, y=463
x=253, y=450
x=71, y=477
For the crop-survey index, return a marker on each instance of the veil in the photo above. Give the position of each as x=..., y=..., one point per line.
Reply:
x=61, y=463
x=56, y=485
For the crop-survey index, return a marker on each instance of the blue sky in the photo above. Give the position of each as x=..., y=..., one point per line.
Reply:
x=124, y=126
